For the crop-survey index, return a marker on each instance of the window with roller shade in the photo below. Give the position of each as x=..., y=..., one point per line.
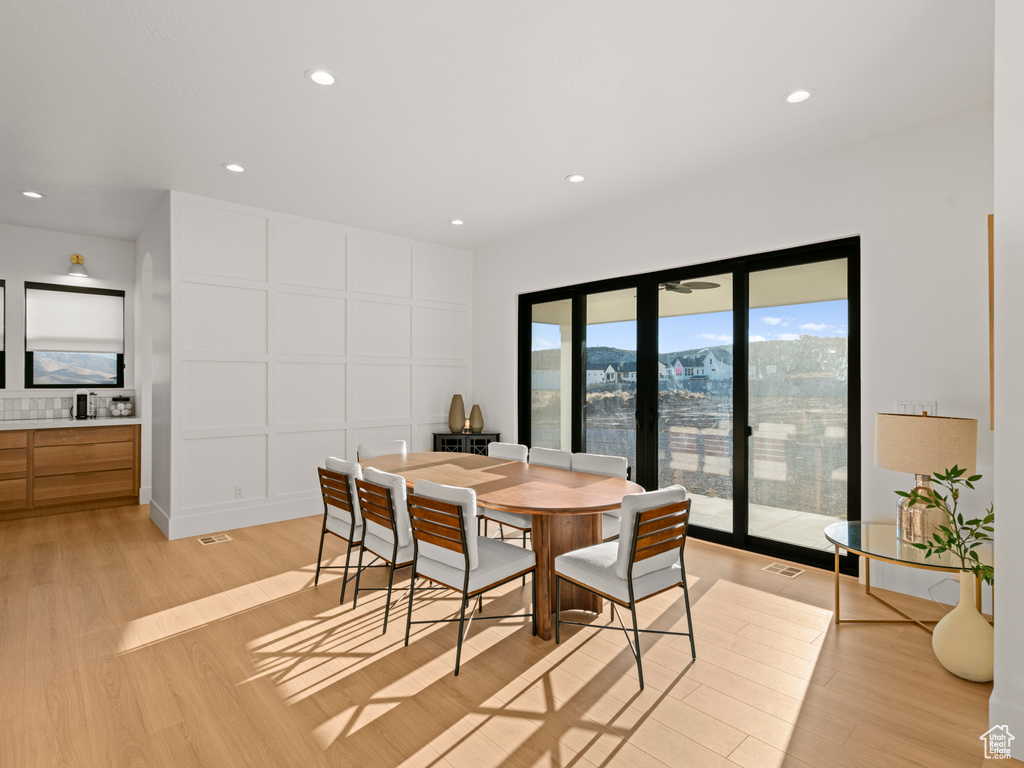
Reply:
x=74, y=337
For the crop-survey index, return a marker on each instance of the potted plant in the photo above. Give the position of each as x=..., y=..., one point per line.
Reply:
x=963, y=639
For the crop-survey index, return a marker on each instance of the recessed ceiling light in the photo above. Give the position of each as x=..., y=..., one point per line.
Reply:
x=320, y=76
x=234, y=167
x=33, y=195
x=795, y=97
x=575, y=178
x=456, y=222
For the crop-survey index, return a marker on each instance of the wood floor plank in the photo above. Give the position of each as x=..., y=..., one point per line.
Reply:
x=118, y=647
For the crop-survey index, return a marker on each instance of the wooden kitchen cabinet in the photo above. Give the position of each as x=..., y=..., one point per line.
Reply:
x=43, y=471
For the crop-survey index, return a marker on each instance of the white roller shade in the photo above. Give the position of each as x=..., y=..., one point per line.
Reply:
x=64, y=321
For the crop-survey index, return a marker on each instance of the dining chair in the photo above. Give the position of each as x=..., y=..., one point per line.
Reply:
x=341, y=512
x=550, y=457
x=646, y=561
x=523, y=523
x=388, y=534
x=610, y=466
x=385, y=448
x=449, y=552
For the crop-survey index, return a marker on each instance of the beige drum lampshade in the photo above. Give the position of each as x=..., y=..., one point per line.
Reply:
x=925, y=445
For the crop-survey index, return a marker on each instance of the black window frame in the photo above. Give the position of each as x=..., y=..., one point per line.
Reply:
x=29, y=361
x=646, y=285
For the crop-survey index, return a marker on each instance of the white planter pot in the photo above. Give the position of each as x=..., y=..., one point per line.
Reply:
x=963, y=640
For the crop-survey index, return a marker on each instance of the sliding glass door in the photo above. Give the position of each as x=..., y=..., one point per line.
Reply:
x=798, y=402
x=737, y=379
x=695, y=395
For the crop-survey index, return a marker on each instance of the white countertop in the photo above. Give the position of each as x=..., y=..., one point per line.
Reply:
x=107, y=421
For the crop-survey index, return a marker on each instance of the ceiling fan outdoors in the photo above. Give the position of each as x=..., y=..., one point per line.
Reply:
x=678, y=286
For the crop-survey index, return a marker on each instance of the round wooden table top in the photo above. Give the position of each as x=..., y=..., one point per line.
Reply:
x=511, y=486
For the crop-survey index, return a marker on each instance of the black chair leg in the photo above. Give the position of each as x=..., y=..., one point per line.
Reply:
x=689, y=619
x=408, y=621
x=462, y=622
x=344, y=578
x=387, y=606
x=359, y=572
x=524, y=547
x=320, y=553
x=558, y=609
x=533, y=582
x=636, y=640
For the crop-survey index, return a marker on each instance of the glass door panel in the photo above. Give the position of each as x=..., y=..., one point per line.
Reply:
x=551, y=375
x=695, y=395
x=798, y=384
x=611, y=374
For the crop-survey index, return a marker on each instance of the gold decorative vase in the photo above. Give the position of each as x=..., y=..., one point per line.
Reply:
x=476, y=420
x=456, y=414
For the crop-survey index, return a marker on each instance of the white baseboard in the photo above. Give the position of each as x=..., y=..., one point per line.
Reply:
x=215, y=521
x=1012, y=716
x=160, y=518
x=145, y=494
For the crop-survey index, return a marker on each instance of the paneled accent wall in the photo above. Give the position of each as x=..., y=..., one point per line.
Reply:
x=296, y=340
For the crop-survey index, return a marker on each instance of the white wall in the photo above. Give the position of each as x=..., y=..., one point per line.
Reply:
x=43, y=255
x=292, y=340
x=918, y=198
x=1007, y=703
x=152, y=366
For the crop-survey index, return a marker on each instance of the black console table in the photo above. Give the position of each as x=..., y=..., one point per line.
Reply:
x=456, y=442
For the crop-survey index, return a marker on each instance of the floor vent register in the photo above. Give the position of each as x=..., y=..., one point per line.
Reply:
x=215, y=539
x=789, y=571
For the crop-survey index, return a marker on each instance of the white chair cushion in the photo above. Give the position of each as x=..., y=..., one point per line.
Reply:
x=610, y=525
x=631, y=506
x=549, y=457
x=507, y=451
x=354, y=472
x=466, y=498
x=595, y=566
x=515, y=519
x=342, y=527
x=498, y=561
x=399, y=495
x=596, y=464
x=383, y=547
x=386, y=448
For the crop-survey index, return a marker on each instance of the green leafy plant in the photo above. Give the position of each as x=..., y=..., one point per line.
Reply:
x=959, y=536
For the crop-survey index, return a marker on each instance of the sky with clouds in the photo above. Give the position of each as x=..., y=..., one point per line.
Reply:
x=676, y=334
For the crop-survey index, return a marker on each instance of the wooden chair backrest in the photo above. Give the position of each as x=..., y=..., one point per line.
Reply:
x=659, y=530
x=375, y=504
x=335, y=488
x=438, y=522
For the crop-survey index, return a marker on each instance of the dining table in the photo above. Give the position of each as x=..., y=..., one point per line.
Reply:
x=565, y=508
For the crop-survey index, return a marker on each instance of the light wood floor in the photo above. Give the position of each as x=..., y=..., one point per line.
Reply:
x=119, y=648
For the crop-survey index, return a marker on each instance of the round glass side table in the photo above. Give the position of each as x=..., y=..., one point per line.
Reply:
x=878, y=541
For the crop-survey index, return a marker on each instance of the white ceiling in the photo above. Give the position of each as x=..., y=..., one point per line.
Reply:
x=449, y=108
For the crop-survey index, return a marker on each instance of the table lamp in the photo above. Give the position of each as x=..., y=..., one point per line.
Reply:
x=923, y=445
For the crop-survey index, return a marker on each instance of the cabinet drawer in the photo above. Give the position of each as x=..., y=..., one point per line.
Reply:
x=13, y=439
x=64, y=489
x=13, y=462
x=72, y=459
x=13, y=494
x=82, y=435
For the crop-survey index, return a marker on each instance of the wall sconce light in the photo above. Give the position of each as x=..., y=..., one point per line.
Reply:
x=77, y=268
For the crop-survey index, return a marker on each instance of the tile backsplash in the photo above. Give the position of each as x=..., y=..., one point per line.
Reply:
x=37, y=408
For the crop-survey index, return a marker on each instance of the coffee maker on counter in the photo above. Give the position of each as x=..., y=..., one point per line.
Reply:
x=84, y=404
